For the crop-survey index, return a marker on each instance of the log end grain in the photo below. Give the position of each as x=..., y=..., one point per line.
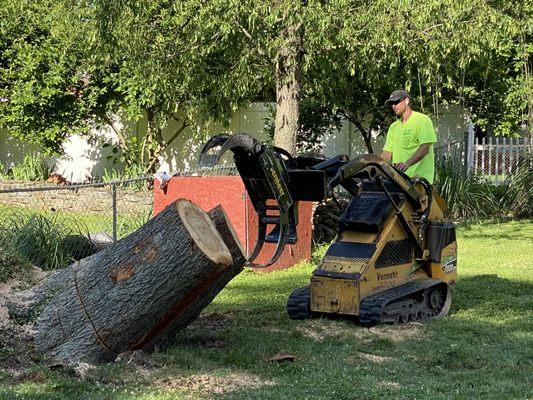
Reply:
x=203, y=232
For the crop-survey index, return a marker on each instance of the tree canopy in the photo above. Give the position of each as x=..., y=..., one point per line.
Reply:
x=40, y=73
x=474, y=54
x=67, y=65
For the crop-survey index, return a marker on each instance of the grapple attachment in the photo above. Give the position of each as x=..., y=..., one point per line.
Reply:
x=274, y=181
x=265, y=177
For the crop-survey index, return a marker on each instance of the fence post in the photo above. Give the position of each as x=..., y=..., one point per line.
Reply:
x=497, y=159
x=114, y=201
x=483, y=141
x=504, y=158
x=470, y=147
x=476, y=156
x=490, y=156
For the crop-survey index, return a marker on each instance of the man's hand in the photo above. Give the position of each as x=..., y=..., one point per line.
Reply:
x=401, y=166
x=420, y=154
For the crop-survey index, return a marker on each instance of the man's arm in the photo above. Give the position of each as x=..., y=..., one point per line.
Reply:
x=419, y=154
x=386, y=155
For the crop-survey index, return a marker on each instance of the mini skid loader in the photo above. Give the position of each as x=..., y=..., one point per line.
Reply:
x=394, y=257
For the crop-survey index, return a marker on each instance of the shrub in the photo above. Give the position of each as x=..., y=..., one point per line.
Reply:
x=47, y=242
x=33, y=168
x=466, y=196
x=3, y=172
x=473, y=197
x=517, y=198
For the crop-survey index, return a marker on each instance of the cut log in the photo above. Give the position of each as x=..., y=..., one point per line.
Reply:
x=137, y=293
x=210, y=287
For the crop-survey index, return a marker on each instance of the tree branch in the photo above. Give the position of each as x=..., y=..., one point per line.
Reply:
x=122, y=141
x=364, y=132
x=175, y=135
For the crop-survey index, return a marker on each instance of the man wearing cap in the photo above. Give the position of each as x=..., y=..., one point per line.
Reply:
x=409, y=143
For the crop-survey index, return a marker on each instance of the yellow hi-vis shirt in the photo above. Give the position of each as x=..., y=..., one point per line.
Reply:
x=404, y=139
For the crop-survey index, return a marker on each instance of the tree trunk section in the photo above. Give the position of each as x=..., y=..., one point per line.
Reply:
x=211, y=287
x=137, y=293
x=288, y=66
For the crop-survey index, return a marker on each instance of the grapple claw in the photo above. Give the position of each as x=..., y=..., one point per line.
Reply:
x=261, y=233
x=213, y=150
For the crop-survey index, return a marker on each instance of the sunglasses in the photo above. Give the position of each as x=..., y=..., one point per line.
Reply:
x=393, y=103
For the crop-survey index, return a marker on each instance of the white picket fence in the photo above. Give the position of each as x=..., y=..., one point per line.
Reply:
x=497, y=157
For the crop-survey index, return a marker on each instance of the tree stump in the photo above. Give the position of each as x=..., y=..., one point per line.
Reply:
x=137, y=293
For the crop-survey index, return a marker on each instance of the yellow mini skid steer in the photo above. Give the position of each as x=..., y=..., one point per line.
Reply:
x=394, y=257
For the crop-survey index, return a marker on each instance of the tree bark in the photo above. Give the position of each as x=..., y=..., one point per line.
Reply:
x=288, y=66
x=209, y=289
x=137, y=293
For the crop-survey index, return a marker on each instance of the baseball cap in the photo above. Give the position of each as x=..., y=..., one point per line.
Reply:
x=397, y=95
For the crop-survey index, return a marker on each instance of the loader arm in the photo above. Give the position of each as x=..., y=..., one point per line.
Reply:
x=375, y=168
x=378, y=170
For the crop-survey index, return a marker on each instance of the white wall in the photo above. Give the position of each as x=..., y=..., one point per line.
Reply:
x=451, y=125
x=183, y=154
x=83, y=161
x=12, y=151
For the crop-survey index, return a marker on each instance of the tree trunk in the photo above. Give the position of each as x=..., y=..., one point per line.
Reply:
x=209, y=288
x=137, y=293
x=288, y=66
x=366, y=137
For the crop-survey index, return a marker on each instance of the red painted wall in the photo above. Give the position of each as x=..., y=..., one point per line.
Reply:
x=209, y=191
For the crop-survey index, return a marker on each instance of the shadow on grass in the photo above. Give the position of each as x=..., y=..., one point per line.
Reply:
x=490, y=289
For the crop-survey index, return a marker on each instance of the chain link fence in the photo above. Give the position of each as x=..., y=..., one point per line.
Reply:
x=51, y=225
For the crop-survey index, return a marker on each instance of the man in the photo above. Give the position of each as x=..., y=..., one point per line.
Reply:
x=409, y=143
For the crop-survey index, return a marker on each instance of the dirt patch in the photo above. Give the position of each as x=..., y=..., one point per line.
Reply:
x=320, y=330
x=212, y=322
x=6, y=292
x=399, y=333
x=389, y=384
x=374, y=358
x=17, y=353
x=209, y=384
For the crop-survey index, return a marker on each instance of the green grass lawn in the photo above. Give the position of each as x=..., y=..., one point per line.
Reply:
x=482, y=350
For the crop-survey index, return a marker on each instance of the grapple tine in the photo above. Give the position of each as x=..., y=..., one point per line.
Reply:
x=279, y=249
x=213, y=150
x=261, y=233
x=282, y=241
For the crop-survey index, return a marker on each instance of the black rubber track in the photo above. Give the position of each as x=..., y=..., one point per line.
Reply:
x=298, y=303
x=371, y=307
